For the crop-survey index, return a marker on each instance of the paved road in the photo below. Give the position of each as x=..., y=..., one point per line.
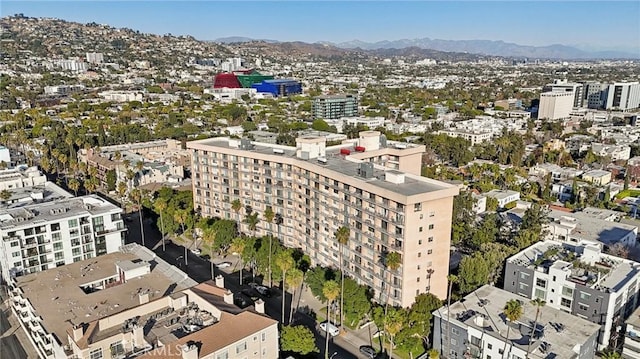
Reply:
x=200, y=271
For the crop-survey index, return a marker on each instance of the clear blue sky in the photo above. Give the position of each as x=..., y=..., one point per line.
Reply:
x=593, y=24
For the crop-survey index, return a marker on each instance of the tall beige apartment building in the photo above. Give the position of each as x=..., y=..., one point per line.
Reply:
x=371, y=185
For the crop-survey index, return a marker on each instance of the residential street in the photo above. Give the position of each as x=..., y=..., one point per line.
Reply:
x=345, y=345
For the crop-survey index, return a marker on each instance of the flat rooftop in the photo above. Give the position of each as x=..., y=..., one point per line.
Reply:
x=58, y=298
x=25, y=196
x=340, y=164
x=560, y=331
x=590, y=227
x=614, y=275
x=55, y=210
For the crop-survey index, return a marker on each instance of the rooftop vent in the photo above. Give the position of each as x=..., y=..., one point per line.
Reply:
x=245, y=144
x=366, y=170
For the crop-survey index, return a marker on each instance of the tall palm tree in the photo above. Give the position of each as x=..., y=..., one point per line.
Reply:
x=452, y=280
x=538, y=303
x=160, y=205
x=296, y=276
x=180, y=216
x=209, y=237
x=330, y=290
x=236, y=206
x=74, y=185
x=237, y=246
x=252, y=221
x=393, y=323
x=285, y=262
x=342, y=236
x=268, y=216
x=392, y=261
x=512, y=311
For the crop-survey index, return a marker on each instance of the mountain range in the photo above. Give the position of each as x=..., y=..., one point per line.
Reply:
x=480, y=47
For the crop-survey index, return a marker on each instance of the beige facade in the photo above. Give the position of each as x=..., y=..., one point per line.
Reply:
x=316, y=189
x=555, y=105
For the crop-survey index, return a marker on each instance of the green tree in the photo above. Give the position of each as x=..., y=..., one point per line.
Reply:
x=462, y=217
x=512, y=311
x=160, y=205
x=285, y=262
x=342, y=236
x=315, y=279
x=357, y=301
x=111, y=180
x=610, y=354
x=392, y=262
x=474, y=272
x=331, y=290
x=74, y=185
x=538, y=303
x=297, y=339
x=5, y=195
x=237, y=246
x=322, y=125
x=236, y=206
x=251, y=220
x=296, y=276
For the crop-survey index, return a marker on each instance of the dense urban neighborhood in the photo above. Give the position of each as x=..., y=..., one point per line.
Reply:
x=166, y=197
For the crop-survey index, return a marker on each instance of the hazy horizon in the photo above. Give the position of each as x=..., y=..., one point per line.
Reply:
x=588, y=25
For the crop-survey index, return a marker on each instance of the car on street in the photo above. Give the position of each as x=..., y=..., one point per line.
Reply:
x=368, y=351
x=223, y=265
x=196, y=251
x=206, y=257
x=264, y=291
x=329, y=328
x=251, y=293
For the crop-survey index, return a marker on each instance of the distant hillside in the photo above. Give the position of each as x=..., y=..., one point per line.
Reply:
x=240, y=39
x=492, y=48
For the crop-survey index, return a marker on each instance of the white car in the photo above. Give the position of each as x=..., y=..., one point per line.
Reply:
x=196, y=251
x=224, y=265
x=329, y=328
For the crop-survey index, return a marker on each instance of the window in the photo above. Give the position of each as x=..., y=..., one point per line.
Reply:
x=223, y=355
x=96, y=354
x=454, y=342
x=264, y=337
x=57, y=246
x=476, y=341
x=523, y=286
x=429, y=251
x=73, y=223
x=524, y=276
x=15, y=254
x=565, y=303
x=567, y=291
x=59, y=256
x=489, y=346
x=419, y=254
x=15, y=244
x=430, y=226
x=583, y=307
x=432, y=214
x=417, y=207
x=117, y=349
x=584, y=295
x=539, y=293
x=430, y=239
x=455, y=331
x=541, y=283
x=419, y=241
x=419, y=229
x=241, y=347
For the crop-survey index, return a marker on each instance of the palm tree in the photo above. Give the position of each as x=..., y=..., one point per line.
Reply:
x=285, y=262
x=393, y=323
x=538, y=303
x=209, y=236
x=295, y=280
x=237, y=246
x=610, y=354
x=252, y=221
x=160, y=205
x=74, y=185
x=180, y=216
x=452, y=280
x=342, y=236
x=137, y=196
x=392, y=262
x=433, y=354
x=91, y=185
x=268, y=216
x=512, y=311
x=330, y=290
x=236, y=206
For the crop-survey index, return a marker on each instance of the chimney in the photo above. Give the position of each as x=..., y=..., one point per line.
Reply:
x=219, y=281
x=228, y=297
x=143, y=297
x=78, y=332
x=189, y=351
x=259, y=306
x=138, y=335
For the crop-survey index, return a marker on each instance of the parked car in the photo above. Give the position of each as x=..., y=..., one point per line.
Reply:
x=223, y=265
x=242, y=300
x=206, y=257
x=368, y=351
x=251, y=293
x=196, y=251
x=329, y=328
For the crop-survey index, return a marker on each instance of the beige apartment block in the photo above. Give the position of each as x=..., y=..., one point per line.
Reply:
x=369, y=184
x=131, y=304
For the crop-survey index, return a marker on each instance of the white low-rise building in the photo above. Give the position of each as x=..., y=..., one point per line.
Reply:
x=503, y=196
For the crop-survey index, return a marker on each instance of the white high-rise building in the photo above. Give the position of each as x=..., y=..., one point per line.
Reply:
x=41, y=236
x=623, y=96
x=95, y=57
x=555, y=105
